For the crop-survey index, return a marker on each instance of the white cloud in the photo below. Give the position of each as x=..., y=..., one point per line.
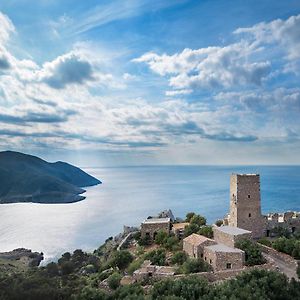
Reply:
x=178, y=92
x=210, y=67
x=6, y=28
x=286, y=33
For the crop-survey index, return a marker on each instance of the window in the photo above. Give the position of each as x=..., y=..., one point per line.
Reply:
x=201, y=255
x=205, y=258
x=210, y=261
x=228, y=266
x=249, y=215
x=249, y=196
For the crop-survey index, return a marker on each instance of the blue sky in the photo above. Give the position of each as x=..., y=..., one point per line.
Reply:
x=151, y=82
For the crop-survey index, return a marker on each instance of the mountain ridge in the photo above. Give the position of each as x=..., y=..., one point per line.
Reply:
x=28, y=178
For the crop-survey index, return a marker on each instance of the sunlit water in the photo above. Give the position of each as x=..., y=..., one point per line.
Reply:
x=130, y=194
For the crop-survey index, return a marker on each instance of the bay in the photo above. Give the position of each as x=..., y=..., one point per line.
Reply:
x=128, y=195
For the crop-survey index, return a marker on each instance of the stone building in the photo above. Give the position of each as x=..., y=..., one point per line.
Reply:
x=245, y=209
x=218, y=255
x=194, y=244
x=229, y=235
x=245, y=206
x=150, y=227
x=222, y=257
x=289, y=221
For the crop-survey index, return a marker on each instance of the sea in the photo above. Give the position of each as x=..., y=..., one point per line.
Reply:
x=128, y=195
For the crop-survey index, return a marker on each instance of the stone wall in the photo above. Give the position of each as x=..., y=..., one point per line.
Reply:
x=196, y=251
x=229, y=274
x=287, y=259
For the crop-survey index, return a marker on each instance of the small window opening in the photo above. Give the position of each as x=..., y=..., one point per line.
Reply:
x=249, y=196
x=249, y=215
x=228, y=266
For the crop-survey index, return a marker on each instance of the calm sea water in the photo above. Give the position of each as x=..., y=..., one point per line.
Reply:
x=130, y=194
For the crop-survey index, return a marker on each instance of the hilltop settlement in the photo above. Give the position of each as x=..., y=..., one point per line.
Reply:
x=246, y=255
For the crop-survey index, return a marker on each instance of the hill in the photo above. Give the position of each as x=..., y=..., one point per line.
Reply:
x=27, y=178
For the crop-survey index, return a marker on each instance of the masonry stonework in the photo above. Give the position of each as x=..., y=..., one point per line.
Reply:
x=150, y=227
x=245, y=206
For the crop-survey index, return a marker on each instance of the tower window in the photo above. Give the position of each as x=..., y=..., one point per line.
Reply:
x=249, y=215
x=249, y=196
x=228, y=266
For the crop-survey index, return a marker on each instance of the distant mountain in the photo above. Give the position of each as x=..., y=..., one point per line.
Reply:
x=27, y=178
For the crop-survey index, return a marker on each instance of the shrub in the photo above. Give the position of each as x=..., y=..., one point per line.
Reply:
x=134, y=265
x=265, y=241
x=219, y=223
x=206, y=231
x=253, y=254
x=122, y=259
x=193, y=265
x=179, y=258
x=157, y=257
x=161, y=237
x=114, y=280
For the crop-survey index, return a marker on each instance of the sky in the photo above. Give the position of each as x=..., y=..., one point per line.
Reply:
x=146, y=82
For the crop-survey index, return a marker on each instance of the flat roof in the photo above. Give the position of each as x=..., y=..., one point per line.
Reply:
x=223, y=248
x=180, y=225
x=232, y=230
x=245, y=174
x=157, y=220
x=196, y=239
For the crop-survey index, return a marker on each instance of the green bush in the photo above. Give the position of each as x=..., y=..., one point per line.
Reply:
x=157, y=257
x=122, y=259
x=179, y=258
x=161, y=237
x=219, y=223
x=114, y=280
x=193, y=265
x=253, y=253
x=136, y=264
x=265, y=241
x=206, y=231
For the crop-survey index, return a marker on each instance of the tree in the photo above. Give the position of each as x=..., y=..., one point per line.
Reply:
x=52, y=269
x=198, y=219
x=157, y=257
x=189, y=216
x=114, y=280
x=122, y=259
x=161, y=237
x=219, y=223
x=193, y=265
x=206, y=231
x=179, y=258
x=190, y=229
x=67, y=268
x=253, y=254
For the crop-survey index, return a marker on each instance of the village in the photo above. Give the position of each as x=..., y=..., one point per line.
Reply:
x=165, y=246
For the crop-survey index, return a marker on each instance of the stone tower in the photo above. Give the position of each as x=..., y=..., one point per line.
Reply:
x=245, y=208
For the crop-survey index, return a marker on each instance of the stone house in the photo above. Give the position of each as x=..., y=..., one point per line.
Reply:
x=229, y=235
x=194, y=244
x=150, y=227
x=222, y=257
